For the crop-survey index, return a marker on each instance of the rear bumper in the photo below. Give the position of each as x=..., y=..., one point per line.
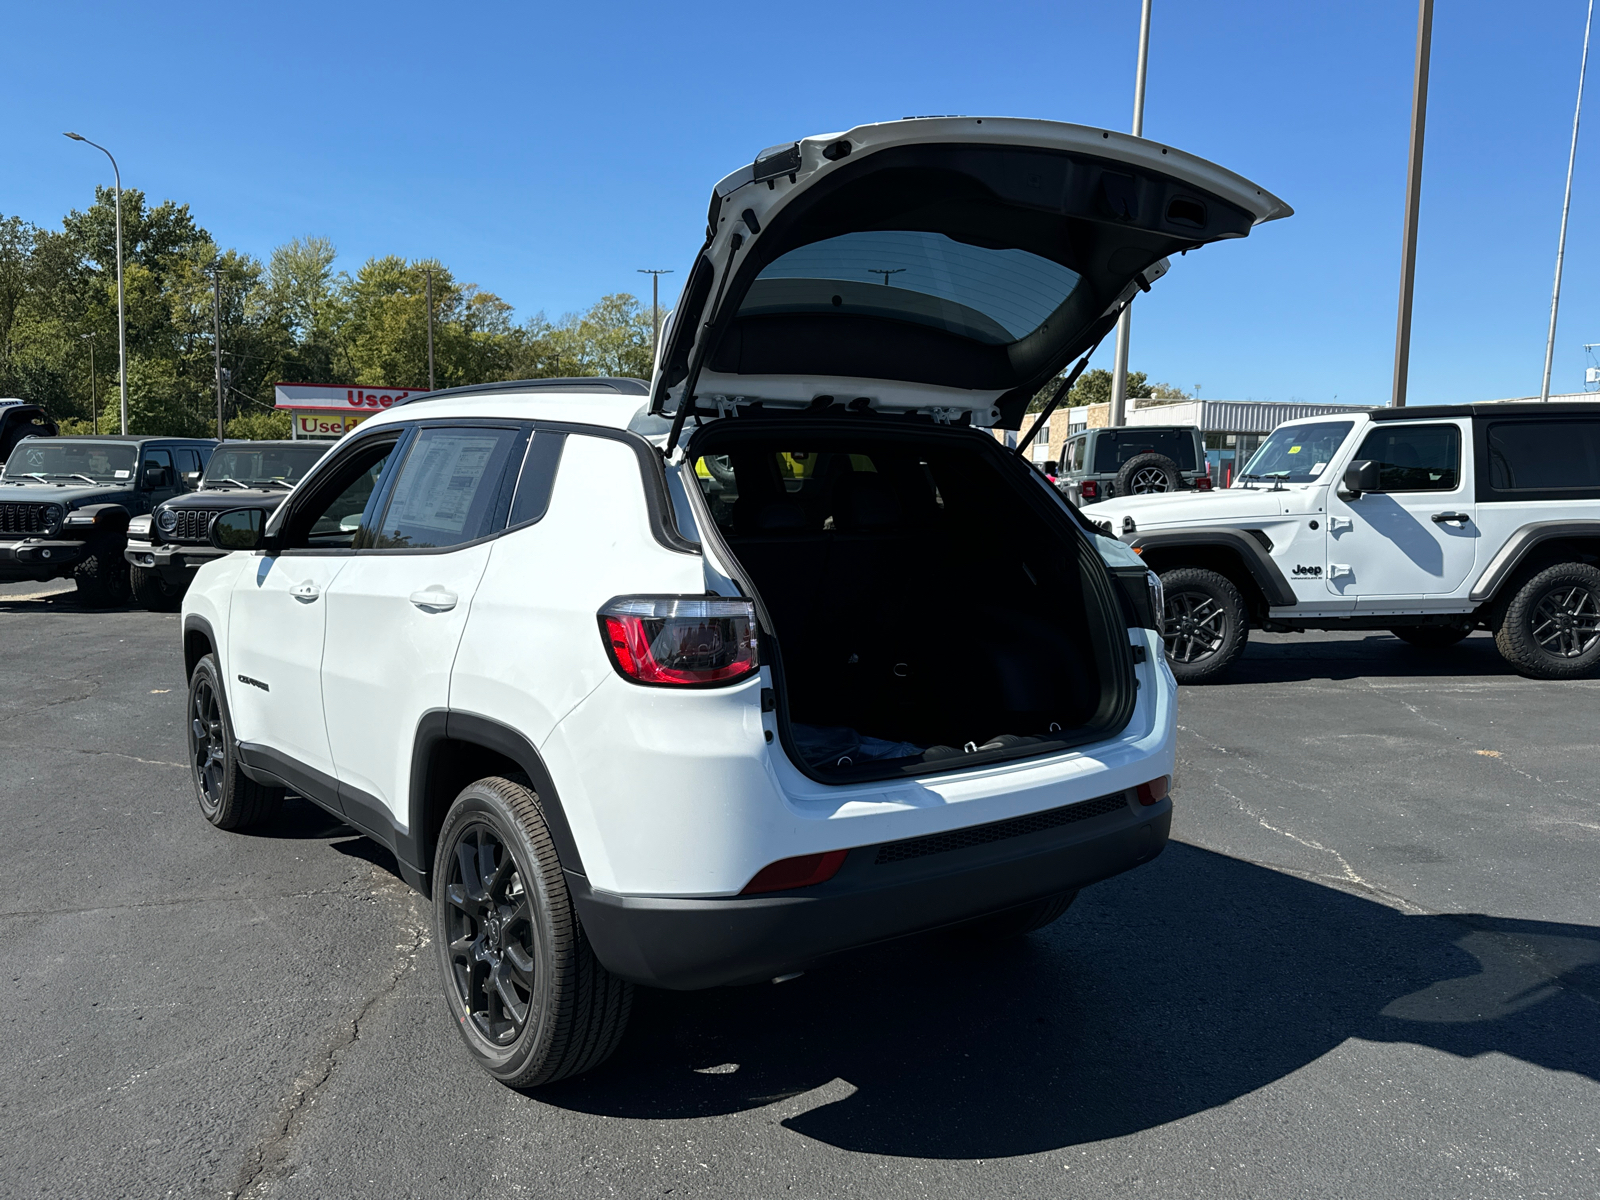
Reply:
x=175, y=564
x=881, y=892
x=39, y=558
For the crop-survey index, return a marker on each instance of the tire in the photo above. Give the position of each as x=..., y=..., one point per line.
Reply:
x=1204, y=624
x=228, y=798
x=151, y=591
x=102, y=579
x=1551, y=627
x=1148, y=474
x=499, y=896
x=1015, y=922
x=1431, y=637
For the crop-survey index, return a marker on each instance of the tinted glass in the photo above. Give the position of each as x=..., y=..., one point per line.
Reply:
x=262, y=466
x=1415, y=458
x=160, y=458
x=448, y=490
x=69, y=458
x=991, y=296
x=1111, y=450
x=337, y=523
x=1299, y=453
x=538, y=477
x=1527, y=455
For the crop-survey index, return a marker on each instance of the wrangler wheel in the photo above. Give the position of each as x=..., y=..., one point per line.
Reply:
x=1204, y=624
x=1551, y=627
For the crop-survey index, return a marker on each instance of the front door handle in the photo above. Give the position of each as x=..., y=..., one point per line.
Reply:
x=1441, y=518
x=306, y=591
x=434, y=598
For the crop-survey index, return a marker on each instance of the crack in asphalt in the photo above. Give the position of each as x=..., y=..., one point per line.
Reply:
x=268, y=1160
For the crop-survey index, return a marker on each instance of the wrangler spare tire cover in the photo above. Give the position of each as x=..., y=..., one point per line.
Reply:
x=1144, y=474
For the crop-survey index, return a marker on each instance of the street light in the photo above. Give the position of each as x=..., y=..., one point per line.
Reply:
x=94, y=404
x=1117, y=411
x=122, y=325
x=655, y=307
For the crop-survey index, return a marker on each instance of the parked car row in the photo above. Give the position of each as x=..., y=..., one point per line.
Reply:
x=127, y=516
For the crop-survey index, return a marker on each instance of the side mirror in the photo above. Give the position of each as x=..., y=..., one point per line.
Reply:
x=1360, y=476
x=156, y=477
x=239, y=529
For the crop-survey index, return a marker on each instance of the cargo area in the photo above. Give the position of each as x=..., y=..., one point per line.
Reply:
x=925, y=609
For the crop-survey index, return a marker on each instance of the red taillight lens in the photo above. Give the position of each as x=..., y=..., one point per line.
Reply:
x=680, y=640
x=798, y=872
x=1155, y=791
x=1203, y=484
x=1090, y=490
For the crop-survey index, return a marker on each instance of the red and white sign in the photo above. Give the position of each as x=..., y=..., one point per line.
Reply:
x=339, y=398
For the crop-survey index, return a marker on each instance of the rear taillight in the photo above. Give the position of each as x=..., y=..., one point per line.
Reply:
x=1203, y=484
x=685, y=641
x=799, y=872
x=1090, y=490
x=1155, y=791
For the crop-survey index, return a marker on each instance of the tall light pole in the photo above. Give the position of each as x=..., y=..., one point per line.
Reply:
x=1408, y=251
x=122, y=324
x=216, y=339
x=1119, y=373
x=1561, y=243
x=94, y=406
x=655, y=308
x=430, y=329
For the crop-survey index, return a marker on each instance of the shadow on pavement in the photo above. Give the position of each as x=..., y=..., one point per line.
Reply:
x=1294, y=658
x=1170, y=991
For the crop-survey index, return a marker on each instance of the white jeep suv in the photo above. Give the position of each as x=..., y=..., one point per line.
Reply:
x=1428, y=522
x=636, y=707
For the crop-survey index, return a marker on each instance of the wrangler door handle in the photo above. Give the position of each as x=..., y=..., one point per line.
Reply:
x=306, y=591
x=434, y=599
x=1441, y=518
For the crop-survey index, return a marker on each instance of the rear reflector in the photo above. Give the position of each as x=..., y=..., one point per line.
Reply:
x=684, y=641
x=799, y=872
x=1155, y=791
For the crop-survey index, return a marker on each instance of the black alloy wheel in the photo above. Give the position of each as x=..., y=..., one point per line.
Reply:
x=228, y=798
x=1204, y=625
x=493, y=946
x=1148, y=475
x=153, y=592
x=1551, y=626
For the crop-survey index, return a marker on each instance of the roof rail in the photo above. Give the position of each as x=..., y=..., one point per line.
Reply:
x=615, y=385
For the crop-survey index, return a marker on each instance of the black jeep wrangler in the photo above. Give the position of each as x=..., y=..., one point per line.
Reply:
x=65, y=504
x=166, y=548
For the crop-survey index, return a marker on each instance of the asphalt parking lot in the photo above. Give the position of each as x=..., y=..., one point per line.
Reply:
x=1368, y=966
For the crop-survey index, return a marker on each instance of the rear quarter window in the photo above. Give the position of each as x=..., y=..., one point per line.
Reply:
x=1526, y=458
x=1114, y=449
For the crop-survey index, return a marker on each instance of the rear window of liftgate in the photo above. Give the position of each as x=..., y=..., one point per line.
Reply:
x=1543, y=455
x=1111, y=450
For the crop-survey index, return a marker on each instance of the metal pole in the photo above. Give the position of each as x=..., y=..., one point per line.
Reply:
x=1566, y=203
x=94, y=407
x=655, y=309
x=122, y=324
x=1119, y=371
x=1408, y=254
x=430, y=329
x=216, y=341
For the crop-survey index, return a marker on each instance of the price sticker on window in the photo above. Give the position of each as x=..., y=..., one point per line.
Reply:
x=1294, y=449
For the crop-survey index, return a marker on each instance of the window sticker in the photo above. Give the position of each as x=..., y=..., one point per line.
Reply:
x=1317, y=468
x=121, y=474
x=1294, y=449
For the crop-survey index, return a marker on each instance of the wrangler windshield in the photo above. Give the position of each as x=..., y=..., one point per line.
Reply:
x=69, y=458
x=262, y=466
x=1298, y=453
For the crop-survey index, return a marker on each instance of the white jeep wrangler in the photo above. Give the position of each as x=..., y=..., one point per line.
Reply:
x=836, y=669
x=1428, y=522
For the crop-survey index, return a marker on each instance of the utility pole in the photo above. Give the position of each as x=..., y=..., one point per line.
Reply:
x=1119, y=372
x=885, y=273
x=94, y=405
x=655, y=309
x=1408, y=252
x=1561, y=243
x=430, y=329
x=122, y=324
x=216, y=339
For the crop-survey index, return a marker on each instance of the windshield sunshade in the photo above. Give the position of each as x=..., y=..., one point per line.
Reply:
x=995, y=296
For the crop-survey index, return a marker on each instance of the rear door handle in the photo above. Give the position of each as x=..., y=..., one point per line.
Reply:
x=1441, y=518
x=306, y=591
x=434, y=599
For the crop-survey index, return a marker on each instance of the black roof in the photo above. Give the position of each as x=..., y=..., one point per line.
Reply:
x=581, y=383
x=253, y=442
x=1512, y=408
x=132, y=437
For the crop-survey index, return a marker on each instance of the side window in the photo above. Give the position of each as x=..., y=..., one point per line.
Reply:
x=538, y=477
x=1077, y=453
x=189, y=466
x=449, y=490
x=157, y=459
x=1534, y=455
x=329, y=516
x=1415, y=458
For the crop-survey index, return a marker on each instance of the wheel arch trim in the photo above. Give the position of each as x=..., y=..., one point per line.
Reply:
x=1519, y=545
x=1263, y=572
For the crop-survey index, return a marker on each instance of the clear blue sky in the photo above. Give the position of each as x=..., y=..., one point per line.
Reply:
x=546, y=151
